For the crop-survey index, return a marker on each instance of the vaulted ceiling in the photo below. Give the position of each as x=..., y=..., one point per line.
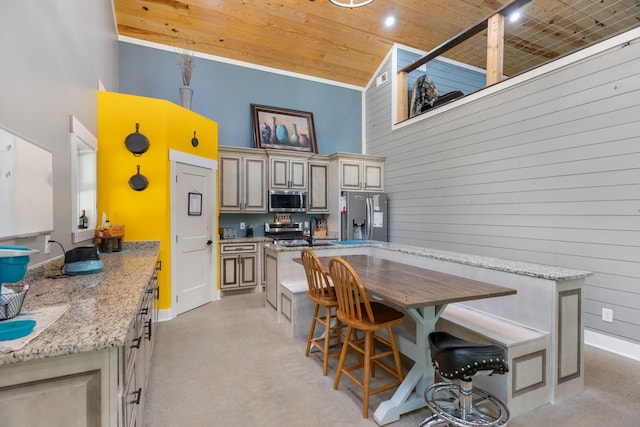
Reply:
x=320, y=39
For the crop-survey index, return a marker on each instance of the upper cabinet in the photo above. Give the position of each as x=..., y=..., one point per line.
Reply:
x=247, y=175
x=287, y=172
x=242, y=181
x=318, y=200
x=26, y=189
x=358, y=172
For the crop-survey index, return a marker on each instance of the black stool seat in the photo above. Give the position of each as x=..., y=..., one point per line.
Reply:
x=454, y=358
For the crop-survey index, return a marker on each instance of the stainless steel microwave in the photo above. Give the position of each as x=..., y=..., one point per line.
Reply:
x=287, y=201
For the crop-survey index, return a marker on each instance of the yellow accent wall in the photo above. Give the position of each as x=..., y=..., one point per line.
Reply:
x=146, y=214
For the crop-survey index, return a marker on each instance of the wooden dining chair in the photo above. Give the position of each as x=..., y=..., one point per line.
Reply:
x=358, y=314
x=322, y=294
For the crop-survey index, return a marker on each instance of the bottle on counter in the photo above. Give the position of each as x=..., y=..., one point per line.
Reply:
x=250, y=231
x=106, y=229
x=84, y=221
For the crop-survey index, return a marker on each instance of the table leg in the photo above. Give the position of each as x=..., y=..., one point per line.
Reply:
x=410, y=394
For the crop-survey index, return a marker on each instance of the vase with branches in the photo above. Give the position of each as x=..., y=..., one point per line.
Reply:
x=186, y=66
x=185, y=63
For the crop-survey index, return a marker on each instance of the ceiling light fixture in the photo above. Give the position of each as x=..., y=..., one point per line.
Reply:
x=515, y=16
x=351, y=3
x=389, y=21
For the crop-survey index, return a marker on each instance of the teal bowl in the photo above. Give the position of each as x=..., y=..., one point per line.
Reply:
x=13, y=269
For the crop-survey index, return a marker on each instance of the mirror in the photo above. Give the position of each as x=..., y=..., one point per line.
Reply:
x=84, y=182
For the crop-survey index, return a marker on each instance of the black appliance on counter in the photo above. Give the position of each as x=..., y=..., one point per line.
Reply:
x=286, y=233
x=82, y=260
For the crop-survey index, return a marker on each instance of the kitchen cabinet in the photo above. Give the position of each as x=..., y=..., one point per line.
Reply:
x=242, y=180
x=358, y=172
x=318, y=198
x=238, y=266
x=287, y=172
x=137, y=353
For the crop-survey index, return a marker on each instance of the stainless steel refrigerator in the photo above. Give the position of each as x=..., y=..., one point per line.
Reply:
x=363, y=216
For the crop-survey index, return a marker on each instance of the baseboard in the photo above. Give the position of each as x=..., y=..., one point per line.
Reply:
x=614, y=345
x=168, y=314
x=164, y=315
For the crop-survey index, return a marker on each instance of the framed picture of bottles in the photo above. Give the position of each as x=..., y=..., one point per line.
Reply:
x=283, y=129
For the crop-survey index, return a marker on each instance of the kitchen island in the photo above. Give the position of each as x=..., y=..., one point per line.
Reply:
x=90, y=366
x=544, y=318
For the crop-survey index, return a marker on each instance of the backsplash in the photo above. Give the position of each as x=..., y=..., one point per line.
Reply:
x=257, y=221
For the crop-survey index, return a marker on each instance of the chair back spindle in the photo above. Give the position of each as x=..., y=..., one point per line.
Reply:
x=317, y=278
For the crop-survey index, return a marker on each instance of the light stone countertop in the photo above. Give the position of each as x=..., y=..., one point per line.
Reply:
x=101, y=305
x=517, y=267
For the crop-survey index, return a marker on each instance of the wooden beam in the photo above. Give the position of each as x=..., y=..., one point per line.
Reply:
x=402, y=96
x=495, y=49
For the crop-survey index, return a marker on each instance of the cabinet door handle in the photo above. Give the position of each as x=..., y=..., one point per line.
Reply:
x=138, y=393
x=148, y=326
x=209, y=242
x=137, y=342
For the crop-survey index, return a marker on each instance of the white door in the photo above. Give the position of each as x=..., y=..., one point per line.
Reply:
x=194, y=284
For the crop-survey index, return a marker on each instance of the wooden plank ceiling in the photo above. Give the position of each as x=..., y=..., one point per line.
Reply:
x=319, y=39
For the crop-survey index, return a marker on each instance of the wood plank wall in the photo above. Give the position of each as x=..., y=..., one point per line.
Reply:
x=547, y=171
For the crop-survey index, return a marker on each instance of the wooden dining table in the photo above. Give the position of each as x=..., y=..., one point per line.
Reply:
x=423, y=294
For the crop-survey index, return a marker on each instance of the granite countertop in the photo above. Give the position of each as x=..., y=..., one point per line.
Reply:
x=517, y=267
x=101, y=306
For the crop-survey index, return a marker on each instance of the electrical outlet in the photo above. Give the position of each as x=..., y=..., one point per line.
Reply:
x=47, y=244
x=607, y=315
x=242, y=226
x=306, y=224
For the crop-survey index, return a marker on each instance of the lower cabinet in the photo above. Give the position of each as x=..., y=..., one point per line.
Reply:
x=238, y=266
x=71, y=390
x=137, y=353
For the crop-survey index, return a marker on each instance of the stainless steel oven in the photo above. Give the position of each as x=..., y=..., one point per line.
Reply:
x=287, y=201
x=285, y=234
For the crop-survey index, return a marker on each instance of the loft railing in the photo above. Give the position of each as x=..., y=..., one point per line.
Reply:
x=493, y=50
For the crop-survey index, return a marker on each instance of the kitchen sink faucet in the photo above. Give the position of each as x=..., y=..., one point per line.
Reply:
x=313, y=222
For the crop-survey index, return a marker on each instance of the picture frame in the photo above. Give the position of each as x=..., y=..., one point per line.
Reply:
x=283, y=129
x=194, y=204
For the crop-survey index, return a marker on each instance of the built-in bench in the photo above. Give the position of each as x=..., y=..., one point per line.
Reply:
x=296, y=309
x=526, y=385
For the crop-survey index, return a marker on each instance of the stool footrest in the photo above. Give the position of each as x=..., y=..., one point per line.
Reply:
x=484, y=410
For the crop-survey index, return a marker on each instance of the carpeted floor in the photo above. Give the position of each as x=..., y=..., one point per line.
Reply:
x=229, y=364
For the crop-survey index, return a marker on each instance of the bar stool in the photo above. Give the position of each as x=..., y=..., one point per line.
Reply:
x=461, y=404
x=321, y=293
x=355, y=310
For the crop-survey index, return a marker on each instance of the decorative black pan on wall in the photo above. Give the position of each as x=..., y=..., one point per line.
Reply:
x=136, y=142
x=138, y=181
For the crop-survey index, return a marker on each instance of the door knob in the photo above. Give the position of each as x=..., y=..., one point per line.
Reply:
x=209, y=242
